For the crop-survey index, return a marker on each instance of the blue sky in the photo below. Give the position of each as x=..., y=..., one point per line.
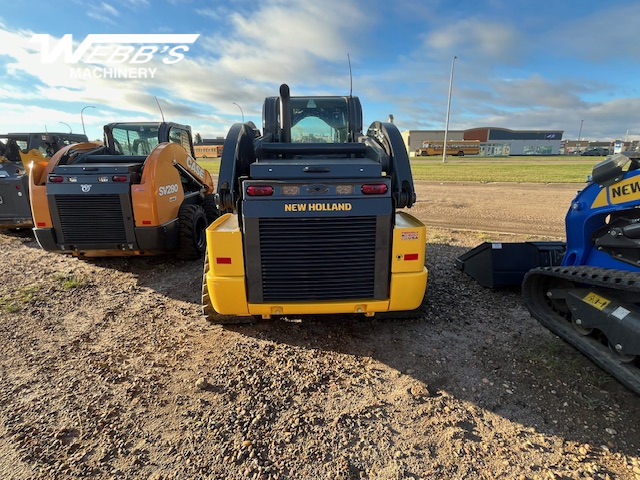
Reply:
x=520, y=64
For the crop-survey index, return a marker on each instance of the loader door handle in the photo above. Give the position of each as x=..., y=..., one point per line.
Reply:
x=317, y=169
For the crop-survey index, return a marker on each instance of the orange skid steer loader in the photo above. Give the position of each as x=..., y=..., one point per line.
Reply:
x=140, y=192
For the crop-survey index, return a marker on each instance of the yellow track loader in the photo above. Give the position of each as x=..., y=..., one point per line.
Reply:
x=311, y=218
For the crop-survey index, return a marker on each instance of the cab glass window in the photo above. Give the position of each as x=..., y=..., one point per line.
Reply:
x=135, y=139
x=319, y=120
x=181, y=137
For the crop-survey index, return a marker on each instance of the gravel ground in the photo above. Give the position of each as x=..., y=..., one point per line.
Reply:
x=109, y=371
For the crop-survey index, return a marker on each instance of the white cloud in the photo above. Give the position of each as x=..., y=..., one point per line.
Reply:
x=26, y=118
x=306, y=41
x=305, y=44
x=603, y=36
x=210, y=13
x=289, y=41
x=135, y=4
x=103, y=12
x=476, y=38
x=518, y=93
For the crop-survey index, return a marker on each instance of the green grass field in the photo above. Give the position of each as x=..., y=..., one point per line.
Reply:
x=553, y=169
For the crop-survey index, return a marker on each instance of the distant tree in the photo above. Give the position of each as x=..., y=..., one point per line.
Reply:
x=198, y=138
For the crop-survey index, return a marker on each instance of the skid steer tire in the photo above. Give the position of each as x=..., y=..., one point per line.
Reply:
x=210, y=209
x=209, y=312
x=193, y=223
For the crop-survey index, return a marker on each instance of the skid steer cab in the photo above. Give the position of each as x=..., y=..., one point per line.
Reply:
x=140, y=192
x=311, y=221
x=17, y=152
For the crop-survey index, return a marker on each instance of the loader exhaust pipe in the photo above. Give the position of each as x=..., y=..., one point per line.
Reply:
x=285, y=113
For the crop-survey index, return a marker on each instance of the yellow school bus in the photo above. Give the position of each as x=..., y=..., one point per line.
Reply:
x=207, y=150
x=454, y=147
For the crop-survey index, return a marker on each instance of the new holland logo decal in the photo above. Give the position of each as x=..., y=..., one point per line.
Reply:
x=85, y=187
x=627, y=190
x=317, y=207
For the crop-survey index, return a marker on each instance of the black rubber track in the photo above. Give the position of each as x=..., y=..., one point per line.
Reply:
x=556, y=318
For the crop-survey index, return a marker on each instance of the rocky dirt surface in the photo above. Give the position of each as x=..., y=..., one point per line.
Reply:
x=109, y=371
x=533, y=208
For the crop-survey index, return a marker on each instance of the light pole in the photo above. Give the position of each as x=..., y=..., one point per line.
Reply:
x=82, y=118
x=446, y=125
x=70, y=131
x=579, y=135
x=240, y=110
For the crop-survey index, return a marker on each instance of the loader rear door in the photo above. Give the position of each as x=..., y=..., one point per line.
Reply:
x=90, y=205
x=317, y=237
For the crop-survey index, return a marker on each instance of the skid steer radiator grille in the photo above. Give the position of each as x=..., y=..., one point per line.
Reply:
x=91, y=218
x=318, y=259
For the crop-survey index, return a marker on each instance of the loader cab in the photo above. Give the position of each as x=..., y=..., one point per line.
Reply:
x=140, y=138
x=49, y=143
x=15, y=143
x=45, y=143
x=9, y=150
x=131, y=139
x=25, y=148
x=314, y=119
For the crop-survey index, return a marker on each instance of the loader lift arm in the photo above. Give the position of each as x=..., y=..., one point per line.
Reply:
x=388, y=136
x=237, y=154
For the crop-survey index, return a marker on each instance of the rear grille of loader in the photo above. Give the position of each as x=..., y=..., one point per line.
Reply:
x=95, y=219
x=318, y=259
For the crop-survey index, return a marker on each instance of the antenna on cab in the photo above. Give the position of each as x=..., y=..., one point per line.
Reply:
x=162, y=114
x=350, y=76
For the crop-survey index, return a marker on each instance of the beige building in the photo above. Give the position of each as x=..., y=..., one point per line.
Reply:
x=494, y=141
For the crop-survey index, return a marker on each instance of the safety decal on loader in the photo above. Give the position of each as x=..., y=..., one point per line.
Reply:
x=410, y=236
x=596, y=300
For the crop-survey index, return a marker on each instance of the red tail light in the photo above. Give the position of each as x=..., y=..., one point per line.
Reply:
x=18, y=187
x=119, y=178
x=259, y=190
x=374, y=189
x=411, y=256
x=223, y=260
x=56, y=179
